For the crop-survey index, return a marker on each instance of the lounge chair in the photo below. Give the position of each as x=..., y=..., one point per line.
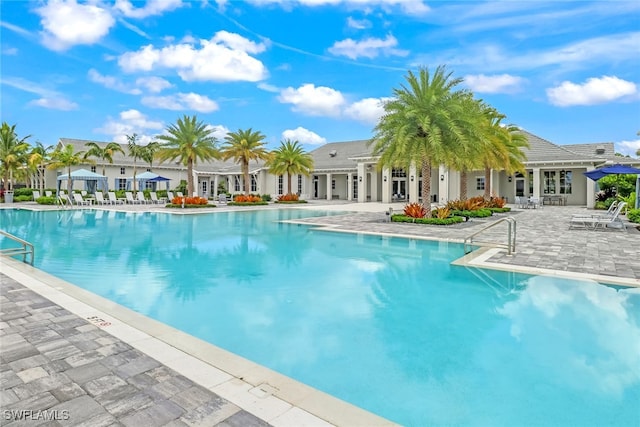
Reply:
x=595, y=222
x=77, y=198
x=100, y=199
x=130, y=199
x=48, y=193
x=606, y=214
x=154, y=198
x=140, y=197
x=179, y=194
x=36, y=195
x=222, y=198
x=170, y=196
x=113, y=199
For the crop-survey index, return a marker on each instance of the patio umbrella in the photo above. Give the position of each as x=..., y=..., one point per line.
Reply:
x=160, y=179
x=616, y=169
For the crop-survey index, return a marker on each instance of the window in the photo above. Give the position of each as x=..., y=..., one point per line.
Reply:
x=121, y=184
x=480, y=183
x=148, y=169
x=565, y=181
x=93, y=169
x=122, y=172
x=355, y=189
x=299, y=184
x=530, y=182
x=204, y=187
x=398, y=173
x=333, y=184
x=280, y=184
x=254, y=183
x=237, y=183
x=549, y=182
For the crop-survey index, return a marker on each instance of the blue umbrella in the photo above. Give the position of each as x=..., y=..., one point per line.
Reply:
x=616, y=169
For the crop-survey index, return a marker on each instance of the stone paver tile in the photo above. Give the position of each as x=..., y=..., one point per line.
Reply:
x=41, y=385
x=103, y=384
x=156, y=415
x=31, y=374
x=7, y=397
x=122, y=406
x=9, y=379
x=40, y=401
x=138, y=366
x=28, y=362
x=211, y=413
x=90, y=371
x=67, y=392
x=243, y=419
x=83, y=358
x=192, y=397
x=82, y=409
x=17, y=351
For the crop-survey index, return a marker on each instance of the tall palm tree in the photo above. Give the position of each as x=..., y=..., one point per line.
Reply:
x=421, y=125
x=189, y=140
x=136, y=152
x=243, y=146
x=104, y=153
x=37, y=161
x=290, y=158
x=12, y=153
x=64, y=157
x=149, y=152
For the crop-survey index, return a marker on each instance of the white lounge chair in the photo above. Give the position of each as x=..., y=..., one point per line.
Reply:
x=77, y=198
x=222, y=198
x=140, y=197
x=100, y=199
x=113, y=199
x=606, y=214
x=170, y=196
x=36, y=195
x=179, y=194
x=48, y=193
x=154, y=198
x=596, y=222
x=130, y=199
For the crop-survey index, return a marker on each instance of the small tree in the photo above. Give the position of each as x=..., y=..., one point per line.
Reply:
x=64, y=157
x=103, y=153
x=290, y=158
x=243, y=146
x=12, y=153
x=136, y=152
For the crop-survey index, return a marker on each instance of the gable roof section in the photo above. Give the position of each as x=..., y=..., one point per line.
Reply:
x=540, y=151
x=599, y=150
x=339, y=155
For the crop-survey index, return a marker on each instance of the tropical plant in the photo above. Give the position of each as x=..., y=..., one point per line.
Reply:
x=64, y=156
x=420, y=125
x=290, y=158
x=136, y=152
x=149, y=152
x=247, y=198
x=104, y=153
x=415, y=210
x=12, y=153
x=190, y=141
x=38, y=158
x=441, y=213
x=243, y=146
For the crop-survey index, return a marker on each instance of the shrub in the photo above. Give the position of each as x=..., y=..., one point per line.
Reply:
x=248, y=198
x=290, y=197
x=466, y=205
x=601, y=205
x=500, y=210
x=415, y=210
x=431, y=221
x=633, y=215
x=602, y=196
x=21, y=192
x=266, y=197
x=46, y=200
x=477, y=213
x=22, y=198
x=495, y=202
x=189, y=201
x=441, y=213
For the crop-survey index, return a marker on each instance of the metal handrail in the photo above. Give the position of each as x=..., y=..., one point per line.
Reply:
x=511, y=242
x=27, y=248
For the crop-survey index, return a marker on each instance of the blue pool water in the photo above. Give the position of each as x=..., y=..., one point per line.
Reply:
x=384, y=323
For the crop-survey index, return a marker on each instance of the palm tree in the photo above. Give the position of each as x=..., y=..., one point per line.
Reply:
x=12, y=153
x=149, y=152
x=37, y=161
x=243, y=146
x=421, y=125
x=64, y=157
x=290, y=158
x=136, y=152
x=189, y=140
x=103, y=153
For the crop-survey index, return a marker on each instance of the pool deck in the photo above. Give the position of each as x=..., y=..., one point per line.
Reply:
x=83, y=360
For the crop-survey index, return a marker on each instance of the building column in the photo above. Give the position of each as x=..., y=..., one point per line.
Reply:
x=329, y=189
x=350, y=186
x=374, y=184
x=413, y=186
x=362, y=183
x=214, y=190
x=386, y=185
x=591, y=190
x=443, y=185
x=536, y=182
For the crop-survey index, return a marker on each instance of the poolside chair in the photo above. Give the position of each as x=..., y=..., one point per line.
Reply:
x=179, y=194
x=600, y=222
x=170, y=196
x=77, y=198
x=222, y=198
x=36, y=195
x=154, y=198
x=48, y=193
x=113, y=199
x=140, y=197
x=100, y=199
x=606, y=214
x=130, y=199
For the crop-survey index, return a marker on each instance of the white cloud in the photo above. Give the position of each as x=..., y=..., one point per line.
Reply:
x=151, y=8
x=10, y=51
x=409, y=7
x=368, y=48
x=181, y=101
x=593, y=91
x=153, y=84
x=55, y=104
x=219, y=131
x=268, y=88
x=223, y=58
x=628, y=148
x=503, y=83
x=112, y=83
x=67, y=23
x=130, y=122
x=368, y=110
x=314, y=101
x=304, y=136
x=358, y=24
x=15, y=28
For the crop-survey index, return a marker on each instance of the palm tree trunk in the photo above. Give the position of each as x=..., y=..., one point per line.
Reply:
x=190, y=178
x=487, y=183
x=426, y=186
x=245, y=174
x=69, y=182
x=134, y=174
x=289, y=183
x=463, y=184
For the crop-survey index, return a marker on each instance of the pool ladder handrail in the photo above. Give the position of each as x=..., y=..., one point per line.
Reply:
x=27, y=248
x=511, y=236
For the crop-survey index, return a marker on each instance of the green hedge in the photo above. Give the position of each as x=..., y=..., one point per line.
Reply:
x=23, y=192
x=171, y=205
x=499, y=210
x=633, y=215
x=247, y=203
x=290, y=202
x=46, y=200
x=478, y=213
x=433, y=221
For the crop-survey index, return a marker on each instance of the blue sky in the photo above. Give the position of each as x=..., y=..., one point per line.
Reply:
x=314, y=70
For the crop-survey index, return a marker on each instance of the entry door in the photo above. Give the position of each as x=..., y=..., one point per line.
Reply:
x=519, y=187
x=399, y=188
x=315, y=187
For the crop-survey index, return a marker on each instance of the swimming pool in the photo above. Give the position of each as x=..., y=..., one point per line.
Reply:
x=384, y=323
